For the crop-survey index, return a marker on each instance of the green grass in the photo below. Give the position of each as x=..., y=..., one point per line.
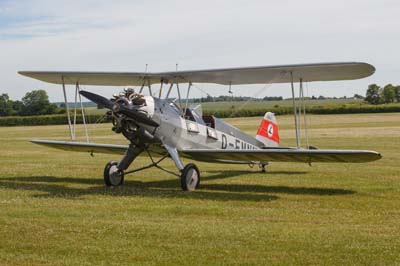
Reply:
x=266, y=104
x=55, y=210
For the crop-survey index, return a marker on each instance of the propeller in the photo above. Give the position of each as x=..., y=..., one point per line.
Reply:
x=100, y=100
x=118, y=108
x=132, y=113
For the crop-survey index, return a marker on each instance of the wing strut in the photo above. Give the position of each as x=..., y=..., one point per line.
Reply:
x=187, y=99
x=301, y=93
x=169, y=91
x=67, y=108
x=72, y=126
x=299, y=111
x=77, y=92
x=295, y=112
x=179, y=96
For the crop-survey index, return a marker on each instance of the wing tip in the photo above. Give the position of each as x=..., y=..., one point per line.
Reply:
x=378, y=156
x=370, y=68
x=23, y=73
x=370, y=156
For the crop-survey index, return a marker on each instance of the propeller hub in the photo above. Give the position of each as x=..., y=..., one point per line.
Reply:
x=116, y=108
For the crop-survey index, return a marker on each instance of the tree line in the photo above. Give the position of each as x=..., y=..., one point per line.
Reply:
x=35, y=102
x=227, y=98
x=374, y=95
x=380, y=95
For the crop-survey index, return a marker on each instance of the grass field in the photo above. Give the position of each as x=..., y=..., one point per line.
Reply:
x=54, y=209
x=266, y=104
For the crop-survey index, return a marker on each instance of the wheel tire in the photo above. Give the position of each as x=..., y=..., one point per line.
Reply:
x=263, y=168
x=190, y=177
x=112, y=175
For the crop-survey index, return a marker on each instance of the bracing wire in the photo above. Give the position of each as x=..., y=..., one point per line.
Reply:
x=309, y=117
x=267, y=85
x=255, y=95
x=242, y=105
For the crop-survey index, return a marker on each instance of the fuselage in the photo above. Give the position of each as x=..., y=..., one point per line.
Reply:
x=194, y=131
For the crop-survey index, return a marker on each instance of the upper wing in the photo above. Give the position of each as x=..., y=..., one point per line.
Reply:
x=83, y=146
x=234, y=76
x=283, y=155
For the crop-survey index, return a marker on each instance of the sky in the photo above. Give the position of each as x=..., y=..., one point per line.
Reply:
x=123, y=35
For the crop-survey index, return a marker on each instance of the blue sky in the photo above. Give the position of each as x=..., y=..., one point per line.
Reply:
x=127, y=35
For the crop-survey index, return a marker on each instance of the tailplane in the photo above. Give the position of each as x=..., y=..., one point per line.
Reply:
x=268, y=131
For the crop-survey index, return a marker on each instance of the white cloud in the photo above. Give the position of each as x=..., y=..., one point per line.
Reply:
x=125, y=35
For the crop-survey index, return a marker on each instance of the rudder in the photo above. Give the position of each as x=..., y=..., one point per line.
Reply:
x=268, y=131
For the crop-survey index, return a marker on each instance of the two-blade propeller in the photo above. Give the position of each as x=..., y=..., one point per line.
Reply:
x=118, y=108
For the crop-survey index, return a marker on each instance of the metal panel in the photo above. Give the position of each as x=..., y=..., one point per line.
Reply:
x=192, y=126
x=212, y=133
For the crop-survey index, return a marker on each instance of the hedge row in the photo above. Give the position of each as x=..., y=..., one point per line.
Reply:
x=48, y=120
x=343, y=109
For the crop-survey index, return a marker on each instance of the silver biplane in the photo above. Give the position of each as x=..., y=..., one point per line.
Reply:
x=157, y=126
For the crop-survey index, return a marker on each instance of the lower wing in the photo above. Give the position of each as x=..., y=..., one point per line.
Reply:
x=83, y=146
x=283, y=155
x=233, y=156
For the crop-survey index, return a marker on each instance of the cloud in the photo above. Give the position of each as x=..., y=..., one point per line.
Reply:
x=125, y=35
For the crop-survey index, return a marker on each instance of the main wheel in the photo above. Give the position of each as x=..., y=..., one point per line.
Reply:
x=190, y=177
x=112, y=175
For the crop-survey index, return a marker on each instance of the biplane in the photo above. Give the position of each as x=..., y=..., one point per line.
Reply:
x=160, y=126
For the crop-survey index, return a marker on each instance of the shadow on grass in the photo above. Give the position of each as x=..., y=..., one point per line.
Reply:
x=279, y=189
x=64, y=187
x=226, y=174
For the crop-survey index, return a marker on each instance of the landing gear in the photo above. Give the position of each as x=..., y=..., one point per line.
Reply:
x=190, y=177
x=112, y=175
x=114, y=171
x=263, y=167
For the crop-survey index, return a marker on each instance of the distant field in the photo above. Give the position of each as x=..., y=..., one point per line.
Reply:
x=265, y=104
x=238, y=109
x=55, y=210
x=252, y=104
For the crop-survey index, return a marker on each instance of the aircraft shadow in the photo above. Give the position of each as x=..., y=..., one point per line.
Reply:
x=60, y=187
x=227, y=174
x=268, y=189
x=52, y=186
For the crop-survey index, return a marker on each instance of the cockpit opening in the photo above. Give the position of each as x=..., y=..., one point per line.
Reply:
x=209, y=120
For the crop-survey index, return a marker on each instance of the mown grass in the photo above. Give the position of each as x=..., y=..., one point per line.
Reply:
x=54, y=209
x=268, y=104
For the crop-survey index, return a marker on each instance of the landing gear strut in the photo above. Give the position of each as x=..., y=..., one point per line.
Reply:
x=190, y=177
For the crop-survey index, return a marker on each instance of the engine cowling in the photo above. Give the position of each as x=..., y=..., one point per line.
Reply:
x=130, y=112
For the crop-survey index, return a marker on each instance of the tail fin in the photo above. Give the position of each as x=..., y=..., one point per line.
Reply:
x=268, y=131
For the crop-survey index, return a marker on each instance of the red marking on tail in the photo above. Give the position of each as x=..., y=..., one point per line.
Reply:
x=269, y=130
